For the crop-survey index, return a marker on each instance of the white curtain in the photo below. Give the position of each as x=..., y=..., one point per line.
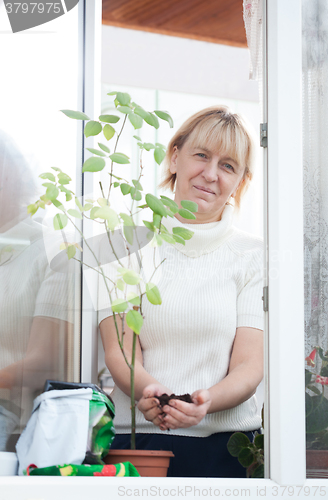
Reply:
x=315, y=151
x=253, y=20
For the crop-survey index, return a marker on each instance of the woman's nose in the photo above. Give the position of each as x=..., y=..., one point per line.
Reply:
x=210, y=172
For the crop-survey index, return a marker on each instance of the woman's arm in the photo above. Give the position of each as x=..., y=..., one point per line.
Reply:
x=244, y=375
x=120, y=372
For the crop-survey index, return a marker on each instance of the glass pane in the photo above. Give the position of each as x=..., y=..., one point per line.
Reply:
x=39, y=306
x=315, y=127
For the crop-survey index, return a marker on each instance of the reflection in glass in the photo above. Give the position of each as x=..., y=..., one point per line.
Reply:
x=315, y=151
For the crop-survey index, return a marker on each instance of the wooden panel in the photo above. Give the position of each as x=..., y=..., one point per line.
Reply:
x=218, y=21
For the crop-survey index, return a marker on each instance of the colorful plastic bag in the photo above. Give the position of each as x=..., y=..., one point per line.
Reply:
x=124, y=469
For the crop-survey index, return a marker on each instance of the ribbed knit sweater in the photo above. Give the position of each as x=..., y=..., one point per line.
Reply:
x=209, y=287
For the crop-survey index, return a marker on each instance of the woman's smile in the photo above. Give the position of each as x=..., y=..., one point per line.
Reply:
x=204, y=189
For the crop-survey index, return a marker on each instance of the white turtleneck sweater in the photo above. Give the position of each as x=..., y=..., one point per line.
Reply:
x=209, y=287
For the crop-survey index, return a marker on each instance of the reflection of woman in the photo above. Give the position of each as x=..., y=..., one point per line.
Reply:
x=206, y=337
x=34, y=300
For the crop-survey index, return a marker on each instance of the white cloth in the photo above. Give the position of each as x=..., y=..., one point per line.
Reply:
x=209, y=287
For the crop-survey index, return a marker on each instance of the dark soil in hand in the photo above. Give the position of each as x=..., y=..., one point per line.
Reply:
x=165, y=398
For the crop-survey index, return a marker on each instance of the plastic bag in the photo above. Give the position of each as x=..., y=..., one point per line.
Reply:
x=70, y=423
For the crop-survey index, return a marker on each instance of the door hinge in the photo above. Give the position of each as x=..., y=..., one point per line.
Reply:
x=265, y=298
x=264, y=135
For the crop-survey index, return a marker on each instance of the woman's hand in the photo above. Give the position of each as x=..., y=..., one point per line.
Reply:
x=179, y=414
x=149, y=405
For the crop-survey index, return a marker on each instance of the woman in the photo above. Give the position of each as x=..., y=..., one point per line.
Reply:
x=206, y=337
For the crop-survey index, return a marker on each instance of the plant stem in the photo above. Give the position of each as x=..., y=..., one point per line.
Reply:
x=133, y=404
x=111, y=165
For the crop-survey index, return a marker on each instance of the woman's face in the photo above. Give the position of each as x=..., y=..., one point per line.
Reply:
x=207, y=177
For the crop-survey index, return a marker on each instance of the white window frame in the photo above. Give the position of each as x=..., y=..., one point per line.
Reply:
x=284, y=378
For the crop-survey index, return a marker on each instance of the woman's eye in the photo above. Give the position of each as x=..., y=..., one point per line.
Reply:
x=229, y=167
x=201, y=155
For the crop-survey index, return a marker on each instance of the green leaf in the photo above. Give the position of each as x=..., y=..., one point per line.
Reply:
x=119, y=158
x=133, y=298
x=127, y=220
x=317, y=420
x=189, y=205
x=125, y=109
x=314, y=389
x=237, y=442
x=119, y=305
x=128, y=233
x=93, y=164
x=131, y=277
x=159, y=155
x=96, y=152
x=259, y=441
x=137, y=137
x=163, y=115
x=186, y=234
x=103, y=202
x=74, y=213
x=78, y=204
x=52, y=192
x=60, y=221
x=245, y=457
x=77, y=115
x=114, y=92
x=32, y=209
x=134, y=321
x=109, y=118
x=125, y=188
x=141, y=112
x=136, y=120
x=308, y=376
x=152, y=120
x=103, y=147
x=87, y=207
x=148, y=146
x=137, y=184
x=186, y=214
x=178, y=239
x=120, y=285
x=156, y=219
x=168, y=238
x=92, y=128
x=58, y=205
x=153, y=294
x=71, y=251
x=63, y=178
x=93, y=213
x=48, y=175
x=56, y=169
x=258, y=472
x=109, y=215
x=108, y=131
x=170, y=203
x=149, y=225
x=155, y=204
x=123, y=98
x=135, y=194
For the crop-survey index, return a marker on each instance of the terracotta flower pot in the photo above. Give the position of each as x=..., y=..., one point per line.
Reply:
x=149, y=463
x=317, y=463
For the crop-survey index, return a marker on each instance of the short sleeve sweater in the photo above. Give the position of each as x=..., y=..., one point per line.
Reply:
x=209, y=287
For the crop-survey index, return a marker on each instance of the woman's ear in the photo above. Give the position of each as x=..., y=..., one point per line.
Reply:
x=173, y=161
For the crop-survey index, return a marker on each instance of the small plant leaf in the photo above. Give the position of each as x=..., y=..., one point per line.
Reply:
x=137, y=184
x=128, y=233
x=189, y=205
x=109, y=118
x=127, y=220
x=258, y=472
x=125, y=109
x=60, y=221
x=186, y=234
x=135, y=194
x=71, y=251
x=169, y=238
x=120, y=285
x=131, y=277
x=49, y=176
x=92, y=128
x=93, y=213
x=103, y=147
x=136, y=120
x=133, y=298
x=170, y=203
x=237, y=442
x=159, y=155
x=109, y=215
x=119, y=305
x=103, y=202
x=77, y=115
x=123, y=98
x=119, y=158
x=186, y=214
x=108, y=131
x=93, y=164
x=96, y=152
x=259, y=441
x=155, y=204
x=163, y=115
x=178, y=239
x=134, y=321
x=63, y=178
x=74, y=213
x=153, y=294
x=52, y=192
x=245, y=457
x=137, y=137
x=125, y=188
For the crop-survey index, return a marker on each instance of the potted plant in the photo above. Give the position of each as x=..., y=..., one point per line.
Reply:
x=316, y=411
x=249, y=454
x=126, y=305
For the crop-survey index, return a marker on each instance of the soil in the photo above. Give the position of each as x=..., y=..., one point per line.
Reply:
x=165, y=398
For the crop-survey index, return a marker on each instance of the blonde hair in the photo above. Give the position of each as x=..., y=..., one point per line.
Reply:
x=218, y=129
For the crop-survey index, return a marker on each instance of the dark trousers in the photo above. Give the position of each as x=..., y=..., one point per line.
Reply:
x=193, y=456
